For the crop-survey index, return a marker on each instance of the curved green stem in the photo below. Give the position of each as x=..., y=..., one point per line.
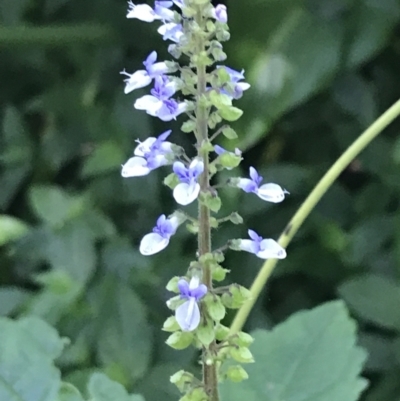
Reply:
x=308, y=205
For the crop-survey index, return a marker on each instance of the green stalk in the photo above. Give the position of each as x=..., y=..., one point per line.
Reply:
x=210, y=378
x=308, y=205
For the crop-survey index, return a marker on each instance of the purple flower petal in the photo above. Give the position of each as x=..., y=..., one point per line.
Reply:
x=247, y=185
x=255, y=176
x=183, y=286
x=254, y=236
x=219, y=150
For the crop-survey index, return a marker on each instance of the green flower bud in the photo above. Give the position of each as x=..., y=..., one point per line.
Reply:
x=193, y=227
x=207, y=258
x=221, y=332
x=205, y=332
x=172, y=285
x=236, y=296
x=230, y=113
x=211, y=201
x=234, y=244
x=228, y=132
x=229, y=160
x=180, y=339
x=206, y=146
x=171, y=180
x=223, y=77
x=171, y=324
x=174, y=302
x=213, y=222
x=219, y=100
x=223, y=35
x=241, y=354
x=236, y=373
x=219, y=256
x=215, y=308
x=188, y=12
x=210, y=26
x=214, y=119
x=218, y=273
x=244, y=339
x=188, y=126
x=212, y=168
x=183, y=380
x=196, y=394
x=236, y=218
x=218, y=54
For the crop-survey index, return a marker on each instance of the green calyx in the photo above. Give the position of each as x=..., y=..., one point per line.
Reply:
x=180, y=340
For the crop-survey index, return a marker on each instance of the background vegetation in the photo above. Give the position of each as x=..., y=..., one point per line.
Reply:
x=321, y=72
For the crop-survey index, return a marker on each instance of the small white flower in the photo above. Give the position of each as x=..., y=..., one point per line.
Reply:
x=262, y=248
x=159, y=239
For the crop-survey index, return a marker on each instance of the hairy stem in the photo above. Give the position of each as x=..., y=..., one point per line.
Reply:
x=308, y=205
x=210, y=378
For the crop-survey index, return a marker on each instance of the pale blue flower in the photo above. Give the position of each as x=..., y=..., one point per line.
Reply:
x=263, y=248
x=159, y=239
x=145, y=13
x=159, y=104
x=188, y=314
x=268, y=192
x=171, y=31
x=220, y=14
x=188, y=189
x=142, y=78
x=149, y=155
x=234, y=88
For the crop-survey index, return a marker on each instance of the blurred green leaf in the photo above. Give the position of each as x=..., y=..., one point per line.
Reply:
x=53, y=205
x=16, y=149
x=375, y=299
x=27, y=351
x=72, y=249
x=106, y=157
x=11, y=11
x=124, y=337
x=311, y=356
x=11, y=229
x=56, y=297
x=11, y=298
x=68, y=392
x=101, y=388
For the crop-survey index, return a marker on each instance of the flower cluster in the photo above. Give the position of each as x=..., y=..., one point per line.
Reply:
x=202, y=90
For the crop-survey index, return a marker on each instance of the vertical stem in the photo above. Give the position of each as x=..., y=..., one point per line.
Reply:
x=210, y=378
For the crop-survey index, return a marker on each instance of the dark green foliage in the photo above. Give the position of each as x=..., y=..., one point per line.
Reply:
x=321, y=72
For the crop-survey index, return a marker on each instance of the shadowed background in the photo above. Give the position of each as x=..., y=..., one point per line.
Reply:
x=321, y=71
